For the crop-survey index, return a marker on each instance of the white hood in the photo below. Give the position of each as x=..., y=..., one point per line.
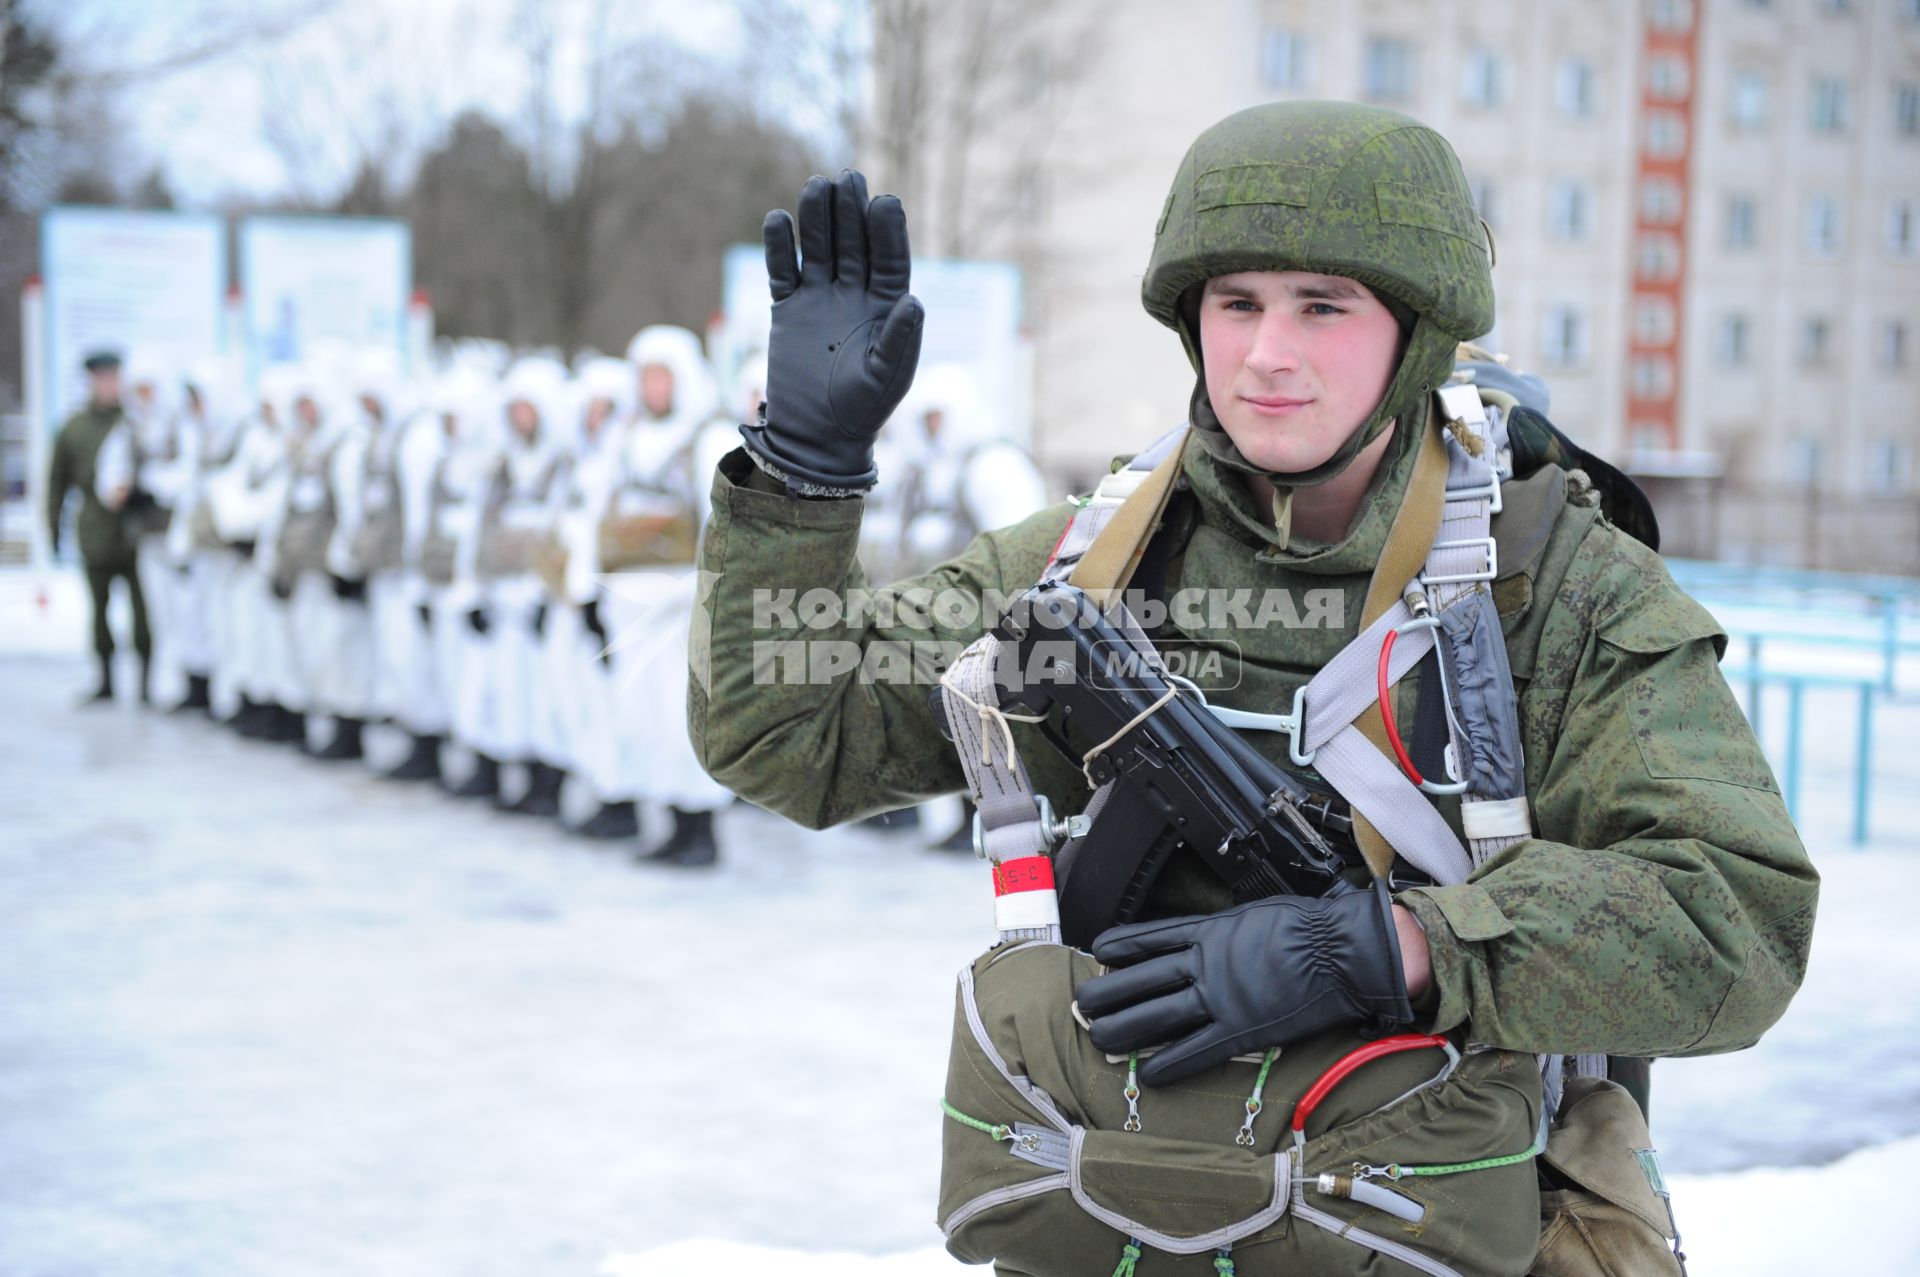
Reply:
x=695, y=397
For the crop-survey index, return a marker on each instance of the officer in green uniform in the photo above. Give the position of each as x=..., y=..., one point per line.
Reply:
x=1320, y=263
x=106, y=548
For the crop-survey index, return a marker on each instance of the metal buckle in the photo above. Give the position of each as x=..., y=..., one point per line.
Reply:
x=1490, y=490
x=1056, y=831
x=1461, y=578
x=1294, y=723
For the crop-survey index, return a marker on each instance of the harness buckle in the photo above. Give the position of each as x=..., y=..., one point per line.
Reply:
x=1055, y=831
x=1489, y=491
x=1486, y=544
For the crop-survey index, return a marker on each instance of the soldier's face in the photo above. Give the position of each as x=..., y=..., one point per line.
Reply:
x=1295, y=362
x=105, y=386
x=656, y=389
x=523, y=418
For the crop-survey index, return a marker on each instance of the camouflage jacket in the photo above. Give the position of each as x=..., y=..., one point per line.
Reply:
x=1666, y=906
x=104, y=540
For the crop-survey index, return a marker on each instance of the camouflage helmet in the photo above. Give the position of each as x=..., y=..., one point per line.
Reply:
x=1332, y=187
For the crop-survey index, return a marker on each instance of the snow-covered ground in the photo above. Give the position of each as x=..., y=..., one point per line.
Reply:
x=260, y=1015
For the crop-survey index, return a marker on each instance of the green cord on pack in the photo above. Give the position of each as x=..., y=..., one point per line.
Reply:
x=1129, y=1256
x=1255, y=1102
x=998, y=1132
x=1132, y=1092
x=1394, y=1170
x=1223, y=1263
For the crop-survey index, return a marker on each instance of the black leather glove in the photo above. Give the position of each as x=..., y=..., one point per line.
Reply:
x=1263, y=974
x=477, y=620
x=282, y=588
x=540, y=621
x=346, y=590
x=845, y=339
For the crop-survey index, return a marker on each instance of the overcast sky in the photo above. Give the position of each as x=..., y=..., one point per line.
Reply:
x=206, y=127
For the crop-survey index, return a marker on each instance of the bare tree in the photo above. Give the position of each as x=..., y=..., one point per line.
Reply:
x=966, y=101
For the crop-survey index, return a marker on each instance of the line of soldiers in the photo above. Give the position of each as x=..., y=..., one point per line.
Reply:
x=494, y=566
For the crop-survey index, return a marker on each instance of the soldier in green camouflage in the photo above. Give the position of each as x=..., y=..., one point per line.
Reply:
x=106, y=546
x=1320, y=263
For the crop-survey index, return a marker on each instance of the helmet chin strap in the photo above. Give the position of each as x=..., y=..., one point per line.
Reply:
x=1426, y=363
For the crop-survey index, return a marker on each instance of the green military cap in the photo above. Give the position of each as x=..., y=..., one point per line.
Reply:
x=102, y=361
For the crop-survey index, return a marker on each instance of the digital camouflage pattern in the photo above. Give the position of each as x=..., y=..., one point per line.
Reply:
x=1332, y=187
x=1666, y=863
x=1665, y=907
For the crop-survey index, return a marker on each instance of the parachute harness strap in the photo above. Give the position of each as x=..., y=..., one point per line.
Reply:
x=991, y=716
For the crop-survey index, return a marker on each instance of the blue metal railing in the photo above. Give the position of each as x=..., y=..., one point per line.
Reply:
x=1791, y=770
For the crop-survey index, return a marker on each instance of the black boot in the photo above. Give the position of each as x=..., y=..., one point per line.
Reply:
x=423, y=763
x=613, y=820
x=199, y=696
x=961, y=839
x=102, y=693
x=691, y=844
x=247, y=719
x=542, y=797
x=345, y=744
x=284, y=726
x=482, y=782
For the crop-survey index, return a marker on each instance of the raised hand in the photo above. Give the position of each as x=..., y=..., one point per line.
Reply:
x=846, y=335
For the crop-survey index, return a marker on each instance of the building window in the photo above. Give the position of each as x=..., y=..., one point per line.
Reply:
x=1666, y=135
x=1900, y=237
x=1657, y=257
x=1827, y=109
x=1483, y=78
x=1653, y=321
x=1748, y=107
x=1734, y=347
x=1893, y=345
x=1823, y=226
x=1667, y=77
x=1573, y=88
x=1804, y=462
x=1569, y=210
x=1286, y=60
x=1742, y=218
x=1389, y=70
x=1651, y=376
x=1671, y=15
x=1563, y=337
x=1661, y=201
x=1486, y=200
x=1889, y=468
x=1906, y=110
x=1816, y=341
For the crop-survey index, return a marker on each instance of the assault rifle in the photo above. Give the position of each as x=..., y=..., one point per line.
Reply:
x=1183, y=778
